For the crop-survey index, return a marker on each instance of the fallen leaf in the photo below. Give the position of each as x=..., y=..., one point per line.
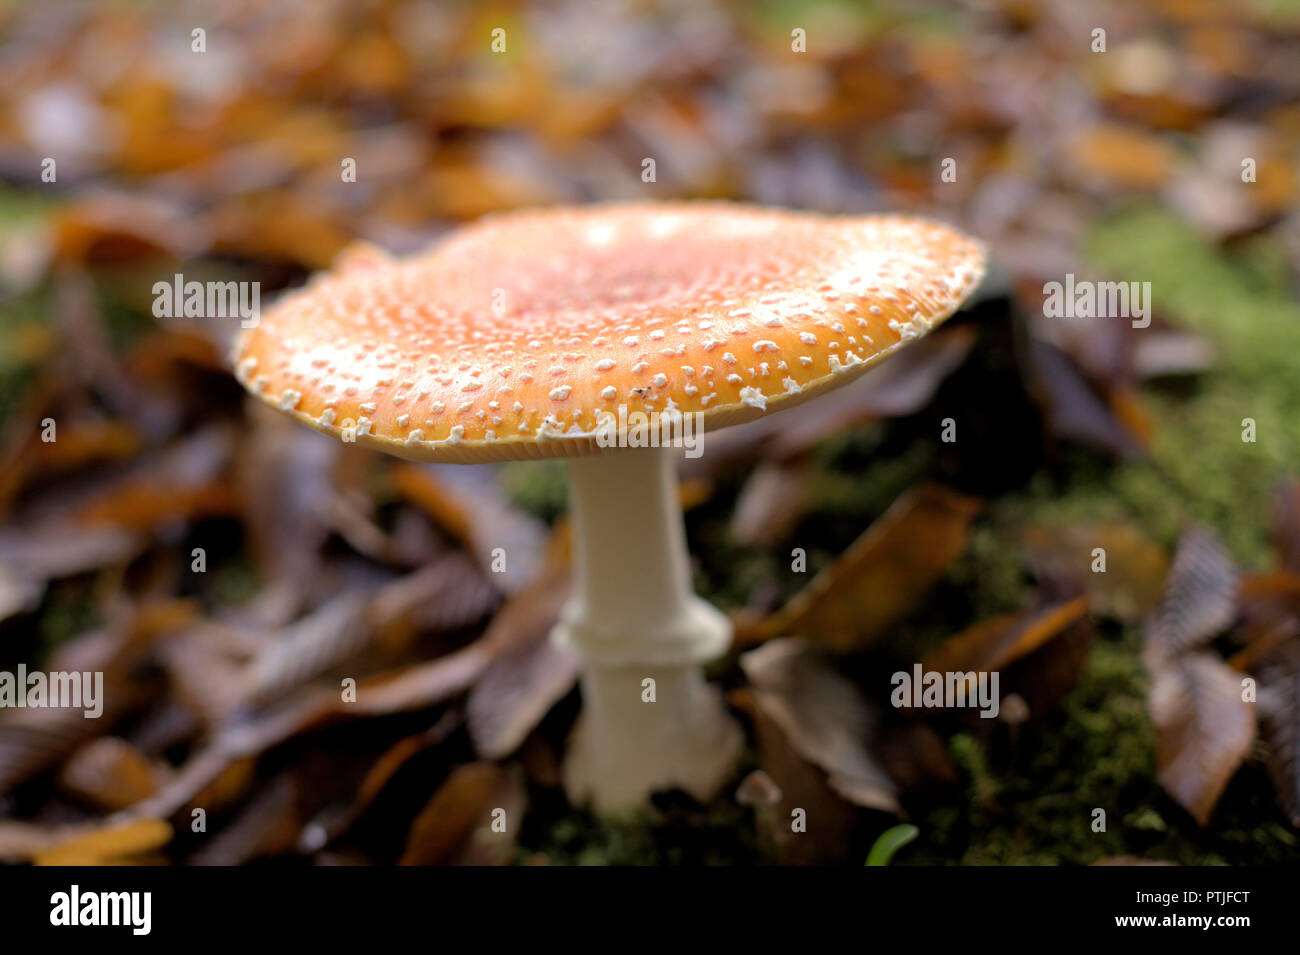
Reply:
x=1279, y=710
x=507, y=543
x=883, y=575
x=1135, y=568
x=521, y=685
x=826, y=718
x=1204, y=729
x=997, y=643
x=1199, y=602
x=112, y=844
x=450, y=818
x=110, y=774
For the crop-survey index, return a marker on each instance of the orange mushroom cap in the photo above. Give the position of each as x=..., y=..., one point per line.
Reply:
x=517, y=335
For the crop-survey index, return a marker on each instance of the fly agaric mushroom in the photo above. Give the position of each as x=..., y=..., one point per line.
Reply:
x=522, y=336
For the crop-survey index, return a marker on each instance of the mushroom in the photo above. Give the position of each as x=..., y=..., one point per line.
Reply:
x=539, y=334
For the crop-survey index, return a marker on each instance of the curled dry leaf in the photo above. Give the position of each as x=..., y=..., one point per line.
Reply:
x=802, y=792
x=1204, y=729
x=997, y=643
x=324, y=638
x=1199, y=602
x=325, y=830
x=1135, y=568
x=286, y=474
x=883, y=575
x=449, y=821
x=916, y=756
x=35, y=739
x=492, y=839
x=1279, y=710
x=825, y=717
x=115, y=843
x=111, y=774
x=447, y=594
x=529, y=676
x=1075, y=411
x=267, y=826
x=507, y=543
x=1268, y=615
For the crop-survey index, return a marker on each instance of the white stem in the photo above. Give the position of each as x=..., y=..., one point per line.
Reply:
x=634, y=618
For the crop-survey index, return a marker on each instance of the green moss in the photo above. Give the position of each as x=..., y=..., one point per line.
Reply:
x=539, y=487
x=678, y=834
x=1200, y=468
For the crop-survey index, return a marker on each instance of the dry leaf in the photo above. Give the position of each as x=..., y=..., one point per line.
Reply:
x=530, y=674
x=1204, y=729
x=1279, y=708
x=451, y=817
x=997, y=643
x=112, y=844
x=884, y=574
x=1129, y=589
x=1199, y=602
x=826, y=718
x=111, y=774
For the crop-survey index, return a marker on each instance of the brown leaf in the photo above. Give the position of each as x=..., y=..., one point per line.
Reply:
x=997, y=643
x=447, y=594
x=111, y=774
x=33, y=740
x=1268, y=617
x=1117, y=157
x=883, y=575
x=111, y=844
x=802, y=790
x=182, y=482
x=825, y=716
x=1128, y=590
x=488, y=843
x=1204, y=729
x=1199, y=602
x=1279, y=709
x=450, y=818
x=286, y=473
x=309, y=647
x=521, y=685
x=394, y=759
x=474, y=511
x=916, y=756
x=1075, y=411
x=267, y=826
